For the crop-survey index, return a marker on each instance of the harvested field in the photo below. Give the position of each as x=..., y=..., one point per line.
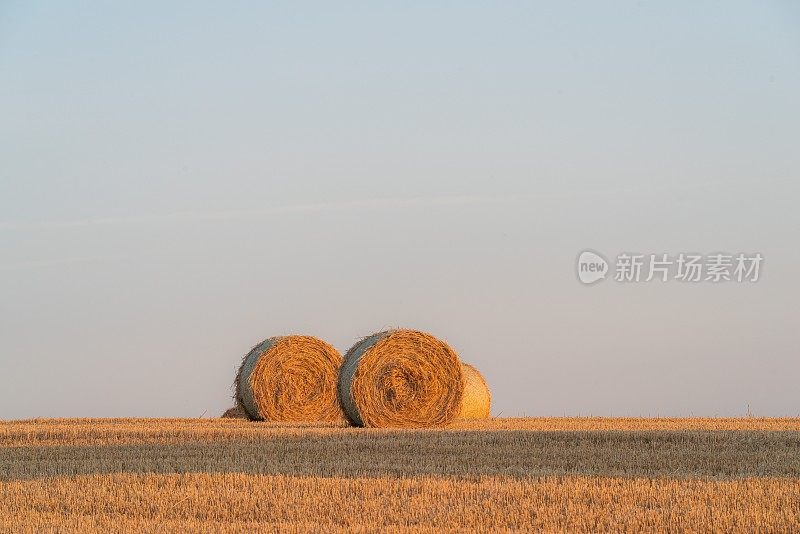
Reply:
x=245, y=503
x=581, y=474
x=44, y=432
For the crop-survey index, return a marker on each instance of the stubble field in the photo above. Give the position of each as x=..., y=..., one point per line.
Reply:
x=560, y=474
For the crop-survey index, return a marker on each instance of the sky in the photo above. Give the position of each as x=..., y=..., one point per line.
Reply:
x=180, y=181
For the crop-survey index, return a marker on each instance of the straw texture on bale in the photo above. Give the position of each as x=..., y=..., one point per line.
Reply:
x=237, y=412
x=290, y=378
x=477, y=400
x=401, y=378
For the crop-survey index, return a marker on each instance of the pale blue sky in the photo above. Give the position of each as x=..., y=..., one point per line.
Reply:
x=178, y=182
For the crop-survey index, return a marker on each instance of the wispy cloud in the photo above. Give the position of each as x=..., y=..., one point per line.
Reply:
x=394, y=203
x=55, y=262
x=379, y=204
x=249, y=214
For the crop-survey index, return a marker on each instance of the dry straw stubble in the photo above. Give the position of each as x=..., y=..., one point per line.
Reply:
x=290, y=378
x=401, y=378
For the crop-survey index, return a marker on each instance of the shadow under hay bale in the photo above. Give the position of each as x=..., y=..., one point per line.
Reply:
x=237, y=412
x=477, y=400
x=290, y=378
x=401, y=378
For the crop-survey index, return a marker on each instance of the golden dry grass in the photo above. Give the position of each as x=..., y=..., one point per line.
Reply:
x=229, y=475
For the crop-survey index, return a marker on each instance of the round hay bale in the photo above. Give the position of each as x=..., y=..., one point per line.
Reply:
x=290, y=378
x=477, y=399
x=237, y=412
x=401, y=378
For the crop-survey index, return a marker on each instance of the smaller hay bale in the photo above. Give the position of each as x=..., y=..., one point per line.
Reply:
x=401, y=378
x=290, y=378
x=237, y=412
x=477, y=400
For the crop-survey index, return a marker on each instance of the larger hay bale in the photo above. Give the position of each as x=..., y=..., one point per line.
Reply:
x=290, y=378
x=477, y=400
x=401, y=378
